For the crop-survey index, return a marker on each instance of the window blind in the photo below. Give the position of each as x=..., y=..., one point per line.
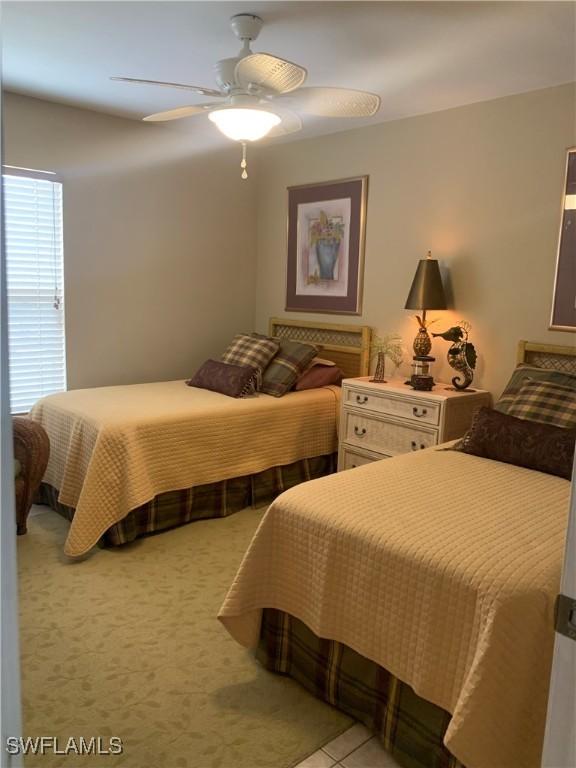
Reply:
x=34, y=278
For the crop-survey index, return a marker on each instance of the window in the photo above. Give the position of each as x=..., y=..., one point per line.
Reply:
x=34, y=278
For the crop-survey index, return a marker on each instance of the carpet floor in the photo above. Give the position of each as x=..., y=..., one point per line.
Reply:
x=126, y=643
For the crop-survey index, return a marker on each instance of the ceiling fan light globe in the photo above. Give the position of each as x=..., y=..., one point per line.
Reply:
x=244, y=124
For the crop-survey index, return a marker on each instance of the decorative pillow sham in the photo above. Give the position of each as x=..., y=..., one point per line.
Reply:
x=546, y=403
x=228, y=379
x=524, y=372
x=282, y=373
x=500, y=437
x=255, y=351
x=319, y=376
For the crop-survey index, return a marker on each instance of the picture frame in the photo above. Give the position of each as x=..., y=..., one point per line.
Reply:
x=563, y=317
x=326, y=240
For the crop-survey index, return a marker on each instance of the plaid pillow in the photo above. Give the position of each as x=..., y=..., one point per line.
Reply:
x=292, y=359
x=546, y=403
x=252, y=351
x=524, y=373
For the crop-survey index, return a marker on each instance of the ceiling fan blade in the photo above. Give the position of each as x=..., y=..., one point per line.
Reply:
x=290, y=122
x=194, y=88
x=176, y=114
x=335, y=102
x=269, y=72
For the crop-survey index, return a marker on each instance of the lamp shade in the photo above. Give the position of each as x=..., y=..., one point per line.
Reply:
x=427, y=291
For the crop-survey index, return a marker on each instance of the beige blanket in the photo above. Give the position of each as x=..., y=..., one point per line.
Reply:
x=115, y=448
x=439, y=566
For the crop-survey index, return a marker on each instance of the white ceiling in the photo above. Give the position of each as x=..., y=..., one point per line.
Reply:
x=419, y=56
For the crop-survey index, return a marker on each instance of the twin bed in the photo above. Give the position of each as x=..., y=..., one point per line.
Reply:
x=132, y=460
x=416, y=594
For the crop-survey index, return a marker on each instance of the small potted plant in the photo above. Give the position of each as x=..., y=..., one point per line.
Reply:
x=382, y=347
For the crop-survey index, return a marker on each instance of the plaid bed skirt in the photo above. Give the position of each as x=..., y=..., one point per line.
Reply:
x=174, y=508
x=410, y=728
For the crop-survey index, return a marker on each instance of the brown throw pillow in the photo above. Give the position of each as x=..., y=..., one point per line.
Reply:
x=231, y=380
x=319, y=376
x=543, y=447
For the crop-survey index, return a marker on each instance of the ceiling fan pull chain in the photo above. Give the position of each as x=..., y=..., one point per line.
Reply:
x=243, y=163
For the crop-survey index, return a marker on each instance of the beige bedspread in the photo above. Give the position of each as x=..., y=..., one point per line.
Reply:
x=115, y=448
x=439, y=566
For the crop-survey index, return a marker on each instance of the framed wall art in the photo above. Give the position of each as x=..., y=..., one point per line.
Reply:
x=326, y=230
x=564, y=301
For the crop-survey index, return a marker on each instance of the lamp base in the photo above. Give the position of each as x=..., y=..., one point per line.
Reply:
x=421, y=378
x=422, y=383
x=422, y=343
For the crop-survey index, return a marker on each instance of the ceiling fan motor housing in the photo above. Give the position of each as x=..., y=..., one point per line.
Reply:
x=246, y=26
x=225, y=73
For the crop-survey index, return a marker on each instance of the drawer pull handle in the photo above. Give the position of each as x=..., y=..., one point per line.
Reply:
x=353, y=466
x=414, y=445
x=361, y=399
x=360, y=431
x=419, y=414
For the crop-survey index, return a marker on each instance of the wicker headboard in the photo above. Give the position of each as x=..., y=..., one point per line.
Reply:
x=552, y=356
x=346, y=345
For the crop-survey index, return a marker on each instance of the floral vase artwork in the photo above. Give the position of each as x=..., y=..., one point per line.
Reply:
x=327, y=254
x=326, y=237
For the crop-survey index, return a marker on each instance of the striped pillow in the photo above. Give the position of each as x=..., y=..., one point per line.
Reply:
x=292, y=360
x=546, y=403
x=250, y=351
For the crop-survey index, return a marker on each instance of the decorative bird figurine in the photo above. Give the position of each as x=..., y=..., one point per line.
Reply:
x=461, y=355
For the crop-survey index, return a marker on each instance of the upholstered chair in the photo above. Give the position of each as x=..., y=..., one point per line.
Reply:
x=31, y=452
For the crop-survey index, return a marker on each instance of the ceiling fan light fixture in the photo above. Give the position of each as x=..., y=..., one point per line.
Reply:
x=244, y=124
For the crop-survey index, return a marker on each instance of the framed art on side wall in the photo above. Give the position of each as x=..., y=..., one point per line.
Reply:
x=326, y=231
x=564, y=302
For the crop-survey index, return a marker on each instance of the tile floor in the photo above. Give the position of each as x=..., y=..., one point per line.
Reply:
x=355, y=748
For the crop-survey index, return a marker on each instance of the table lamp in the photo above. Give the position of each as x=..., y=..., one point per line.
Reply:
x=427, y=292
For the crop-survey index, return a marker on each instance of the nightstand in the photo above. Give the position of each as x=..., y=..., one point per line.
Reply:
x=382, y=420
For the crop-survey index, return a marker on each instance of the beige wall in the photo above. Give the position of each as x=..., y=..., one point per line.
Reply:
x=158, y=243
x=479, y=185
x=161, y=243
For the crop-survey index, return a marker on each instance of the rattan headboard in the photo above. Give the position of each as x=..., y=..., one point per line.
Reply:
x=552, y=356
x=346, y=345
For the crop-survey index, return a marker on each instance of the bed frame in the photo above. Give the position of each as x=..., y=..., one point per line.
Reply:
x=552, y=356
x=346, y=345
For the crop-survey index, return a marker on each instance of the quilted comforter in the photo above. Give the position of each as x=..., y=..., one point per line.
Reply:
x=115, y=448
x=439, y=566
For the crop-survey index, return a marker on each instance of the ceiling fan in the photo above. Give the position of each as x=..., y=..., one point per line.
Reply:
x=257, y=93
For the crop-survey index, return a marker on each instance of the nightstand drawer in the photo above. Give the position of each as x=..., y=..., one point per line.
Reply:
x=351, y=458
x=404, y=408
x=387, y=437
